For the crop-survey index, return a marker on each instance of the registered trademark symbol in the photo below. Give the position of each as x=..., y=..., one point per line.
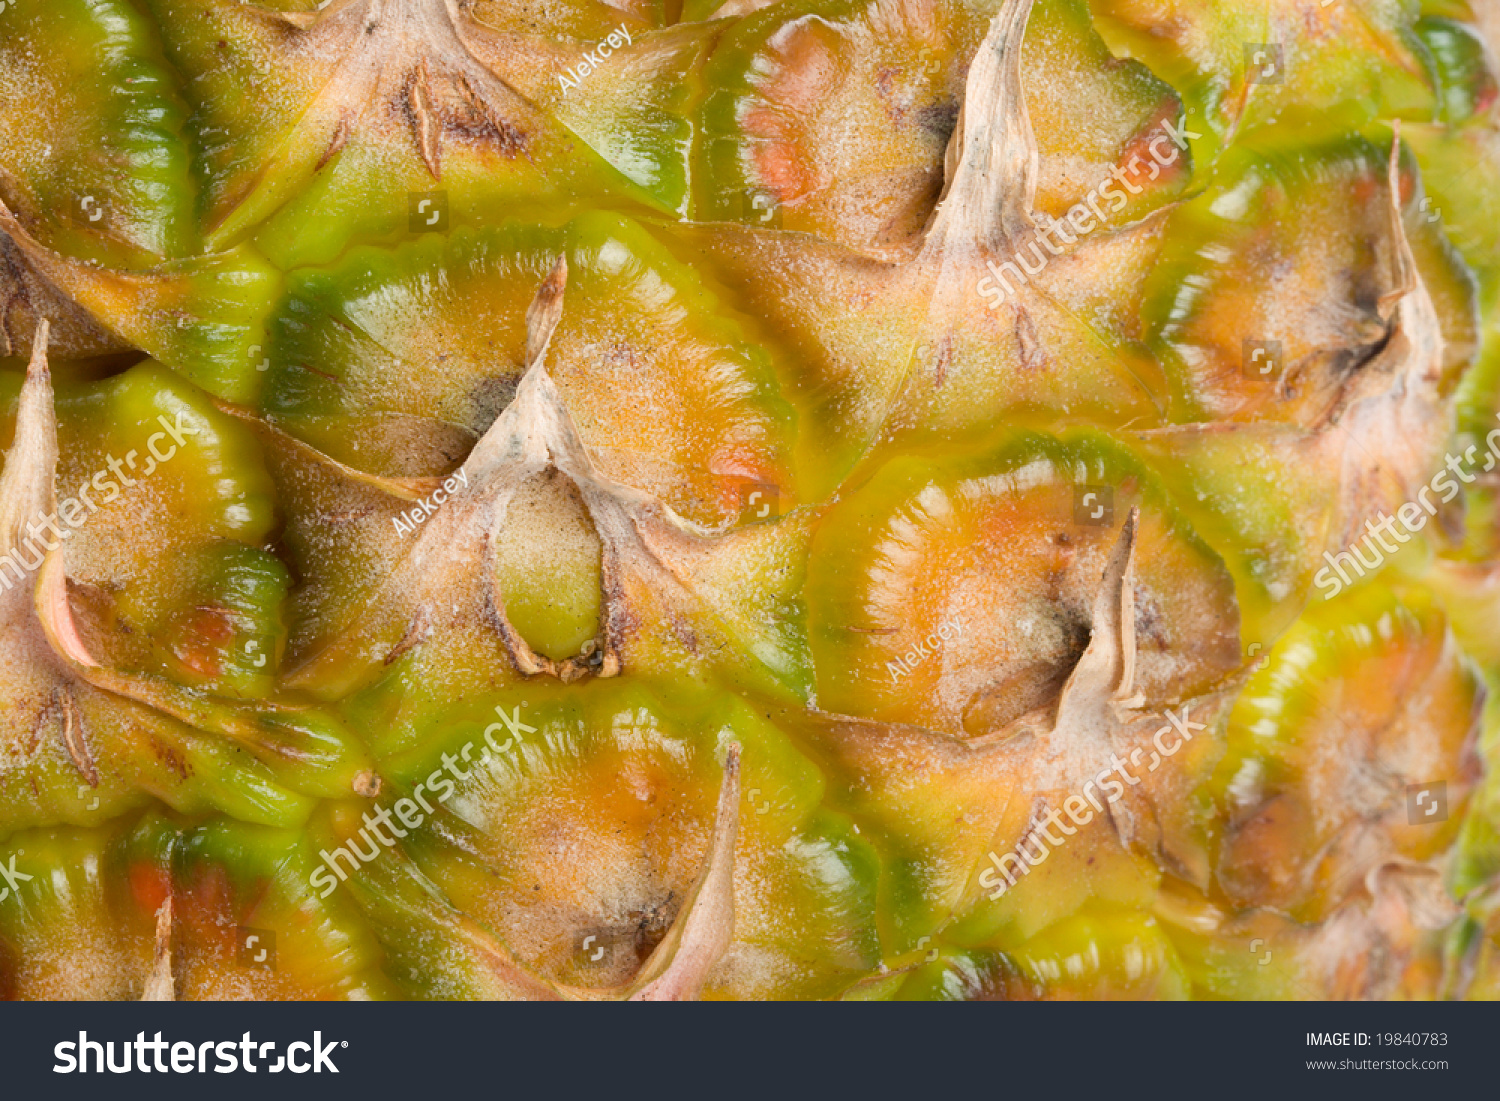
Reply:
x=343, y=1043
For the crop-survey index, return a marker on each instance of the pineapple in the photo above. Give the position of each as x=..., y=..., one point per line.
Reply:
x=829, y=499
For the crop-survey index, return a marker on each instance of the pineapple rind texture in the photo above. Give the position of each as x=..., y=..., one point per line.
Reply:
x=828, y=499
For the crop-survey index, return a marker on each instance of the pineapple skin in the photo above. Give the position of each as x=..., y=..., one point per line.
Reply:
x=864, y=499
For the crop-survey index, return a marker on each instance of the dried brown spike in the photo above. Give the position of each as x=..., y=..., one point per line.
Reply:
x=993, y=160
x=701, y=934
x=74, y=737
x=160, y=986
x=545, y=311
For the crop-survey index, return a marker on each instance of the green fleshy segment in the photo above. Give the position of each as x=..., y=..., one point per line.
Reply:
x=202, y=317
x=262, y=881
x=555, y=606
x=1099, y=953
x=636, y=112
x=143, y=756
x=1478, y=861
x=436, y=330
x=1306, y=703
x=168, y=508
x=88, y=914
x=1461, y=174
x=861, y=160
x=97, y=165
x=70, y=927
x=1087, y=103
x=242, y=591
x=1185, y=53
x=1479, y=428
x=1126, y=954
x=607, y=765
x=1269, y=527
x=1242, y=967
x=742, y=76
x=175, y=482
x=1272, y=203
x=873, y=530
x=1241, y=67
x=1303, y=670
x=1465, y=85
x=307, y=190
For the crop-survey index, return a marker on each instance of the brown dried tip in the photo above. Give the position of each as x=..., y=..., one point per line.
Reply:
x=545, y=312
x=701, y=934
x=368, y=784
x=993, y=160
x=1105, y=674
x=160, y=986
x=652, y=562
x=26, y=488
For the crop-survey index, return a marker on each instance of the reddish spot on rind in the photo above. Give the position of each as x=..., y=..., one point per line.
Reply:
x=205, y=633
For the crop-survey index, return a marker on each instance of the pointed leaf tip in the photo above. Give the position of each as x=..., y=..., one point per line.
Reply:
x=1406, y=262
x=38, y=365
x=1105, y=674
x=545, y=311
x=27, y=486
x=160, y=987
x=993, y=161
x=703, y=930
